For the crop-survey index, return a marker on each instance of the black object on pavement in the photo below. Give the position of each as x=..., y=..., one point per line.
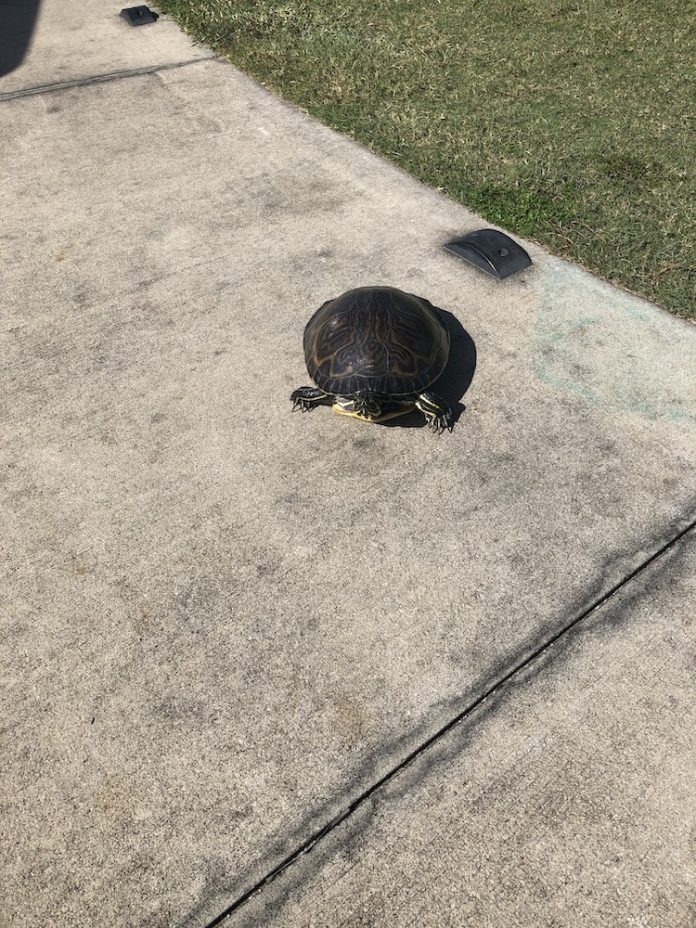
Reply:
x=139, y=15
x=491, y=251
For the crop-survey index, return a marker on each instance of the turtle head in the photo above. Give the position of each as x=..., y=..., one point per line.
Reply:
x=367, y=404
x=373, y=407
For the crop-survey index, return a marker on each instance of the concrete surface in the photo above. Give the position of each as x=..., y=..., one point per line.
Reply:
x=85, y=40
x=223, y=621
x=568, y=801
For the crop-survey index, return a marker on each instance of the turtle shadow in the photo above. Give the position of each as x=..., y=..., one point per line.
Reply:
x=454, y=381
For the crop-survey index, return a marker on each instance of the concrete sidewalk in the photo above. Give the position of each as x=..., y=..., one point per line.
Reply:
x=567, y=799
x=224, y=623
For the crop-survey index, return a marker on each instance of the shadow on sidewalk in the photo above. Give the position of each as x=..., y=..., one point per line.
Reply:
x=17, y=20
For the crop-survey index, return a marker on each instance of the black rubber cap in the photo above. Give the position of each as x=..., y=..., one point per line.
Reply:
x=139, y=15
x=491, y=251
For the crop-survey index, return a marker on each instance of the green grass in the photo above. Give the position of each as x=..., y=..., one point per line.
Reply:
x=569, y=123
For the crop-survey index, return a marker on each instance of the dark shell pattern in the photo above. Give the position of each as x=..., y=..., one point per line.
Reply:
x=376, y=338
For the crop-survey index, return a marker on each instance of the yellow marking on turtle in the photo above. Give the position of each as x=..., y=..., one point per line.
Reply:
x=383, y=418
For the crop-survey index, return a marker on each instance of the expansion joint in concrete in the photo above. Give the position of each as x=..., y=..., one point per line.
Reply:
x=501, y=682
x=100, y=79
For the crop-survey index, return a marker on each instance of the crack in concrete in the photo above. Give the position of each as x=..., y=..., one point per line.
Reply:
x=101, y=78
x=309, y=844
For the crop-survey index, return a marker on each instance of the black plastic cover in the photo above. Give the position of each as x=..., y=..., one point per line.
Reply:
x=139, y=15
x=492, y=251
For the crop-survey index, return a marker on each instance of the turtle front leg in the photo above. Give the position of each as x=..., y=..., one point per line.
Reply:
x=306, y=398
x=438, y=415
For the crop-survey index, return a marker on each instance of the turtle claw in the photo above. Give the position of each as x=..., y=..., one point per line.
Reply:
x=302, y=405
x=444, y=423
x=438, y=415
x=438, y=426
x=306, y=398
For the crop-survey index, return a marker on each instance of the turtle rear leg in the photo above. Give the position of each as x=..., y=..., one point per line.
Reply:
x=437, y=413
x=306, y=398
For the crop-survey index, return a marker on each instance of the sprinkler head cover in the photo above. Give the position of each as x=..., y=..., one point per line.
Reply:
x=491, y=251
x=139, y=15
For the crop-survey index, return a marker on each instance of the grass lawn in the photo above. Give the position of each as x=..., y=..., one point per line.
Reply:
x=569, y=122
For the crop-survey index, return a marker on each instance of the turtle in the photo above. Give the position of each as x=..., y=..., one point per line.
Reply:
x=372, y=353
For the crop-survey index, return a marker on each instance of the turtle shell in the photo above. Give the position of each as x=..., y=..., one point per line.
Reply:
x=376, y=338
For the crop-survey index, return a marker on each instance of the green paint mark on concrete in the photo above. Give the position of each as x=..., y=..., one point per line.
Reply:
x=601, y=345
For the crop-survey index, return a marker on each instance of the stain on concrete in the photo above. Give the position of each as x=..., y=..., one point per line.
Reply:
x=611, y=354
